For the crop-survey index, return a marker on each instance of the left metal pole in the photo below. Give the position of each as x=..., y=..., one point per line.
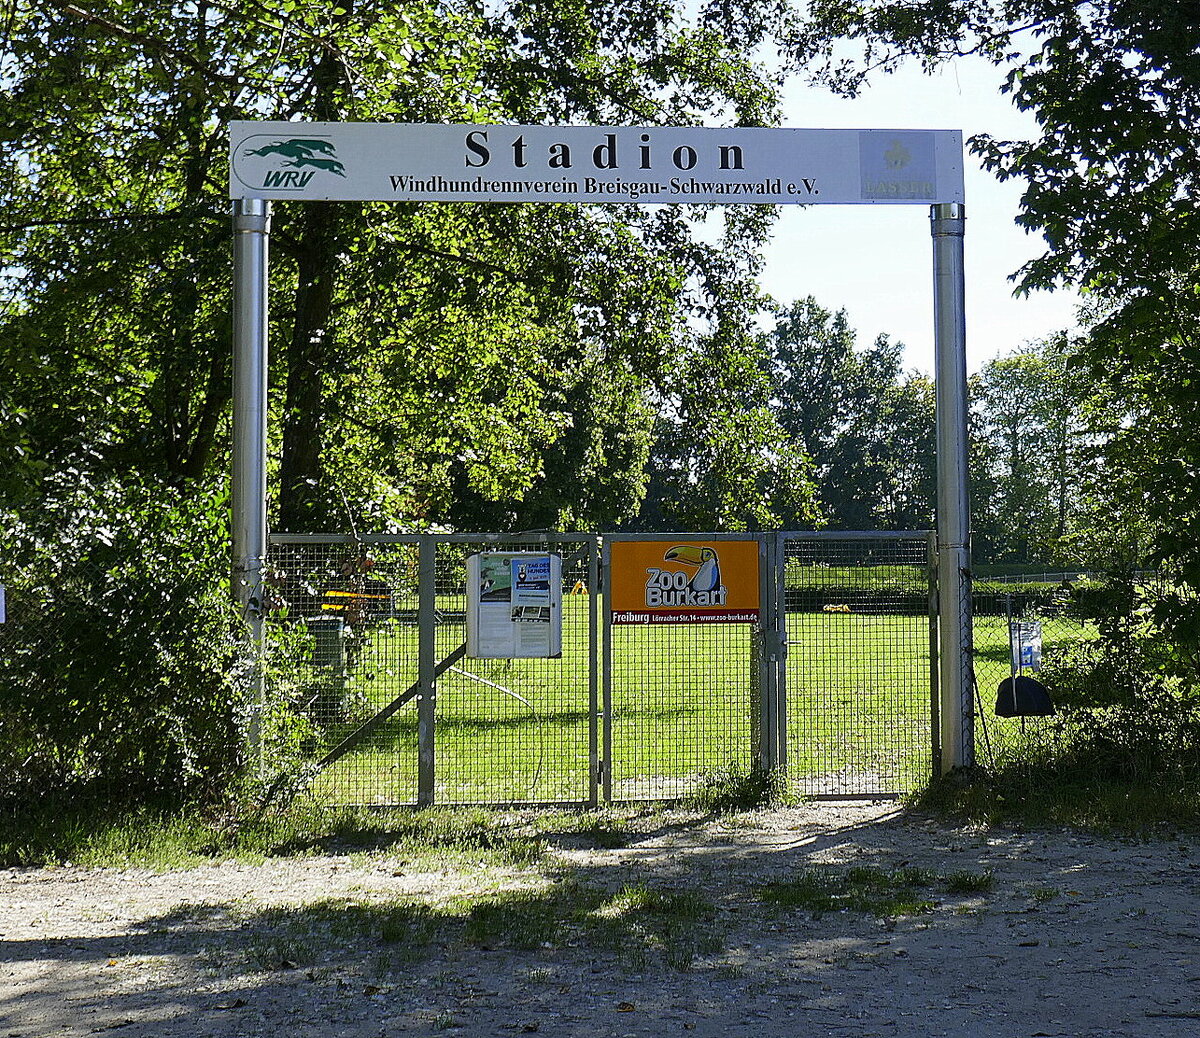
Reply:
x=251, y=232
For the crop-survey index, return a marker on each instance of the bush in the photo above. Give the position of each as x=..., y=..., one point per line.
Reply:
x=1130, y=700
x=120, y=667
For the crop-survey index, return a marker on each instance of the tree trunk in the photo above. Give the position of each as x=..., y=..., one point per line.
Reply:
x=300, y=502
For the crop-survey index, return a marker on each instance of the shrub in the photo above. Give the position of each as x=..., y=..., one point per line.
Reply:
x=1129, y=701
x=120, y=668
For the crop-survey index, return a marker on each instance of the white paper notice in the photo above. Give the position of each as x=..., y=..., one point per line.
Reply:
x=514, y=605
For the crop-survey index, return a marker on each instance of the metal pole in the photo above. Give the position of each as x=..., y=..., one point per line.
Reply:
x=763, y=636
x=953, y=519
x=781, y=717
x=252, y=230
x=593, y=612
x=606, y=672
x=427, y=666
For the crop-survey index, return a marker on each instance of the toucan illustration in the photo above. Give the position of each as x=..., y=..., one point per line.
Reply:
x=708, y=572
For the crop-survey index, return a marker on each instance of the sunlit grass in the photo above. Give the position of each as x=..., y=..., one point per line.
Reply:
x=859, y=705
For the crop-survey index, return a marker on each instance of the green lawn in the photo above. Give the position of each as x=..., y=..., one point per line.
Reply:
x=682, y=703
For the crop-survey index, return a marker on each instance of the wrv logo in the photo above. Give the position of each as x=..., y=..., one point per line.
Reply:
x=697, y=583
x=289, y=164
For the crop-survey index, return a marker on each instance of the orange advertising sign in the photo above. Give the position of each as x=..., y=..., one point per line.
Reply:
x=683, y=582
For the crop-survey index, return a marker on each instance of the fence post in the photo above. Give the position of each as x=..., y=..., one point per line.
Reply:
x=781, y=650
x=593, y=605
x=606, y=671
x=427, y=665
x=763, y=654
x=953, y=518
x=935, y=733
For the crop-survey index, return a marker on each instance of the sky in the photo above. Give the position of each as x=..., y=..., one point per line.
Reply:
x=875, y=261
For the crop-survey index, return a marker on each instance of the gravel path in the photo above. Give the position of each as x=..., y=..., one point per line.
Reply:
x=1078, y=936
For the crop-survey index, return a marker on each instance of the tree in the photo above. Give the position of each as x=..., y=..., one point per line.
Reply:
x=434, y=363
x=1111, y=184
x=867, y=427
x=1034, y=420
x=722, y=458
x=430, y=356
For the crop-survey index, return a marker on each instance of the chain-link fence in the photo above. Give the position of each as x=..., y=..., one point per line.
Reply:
x=342, y=647
x=1020, y=626
x=861, y=662
x=370, y=649
x=118, y=672
x=524, y=729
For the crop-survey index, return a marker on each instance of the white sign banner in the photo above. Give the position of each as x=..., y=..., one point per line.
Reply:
x=497, y=163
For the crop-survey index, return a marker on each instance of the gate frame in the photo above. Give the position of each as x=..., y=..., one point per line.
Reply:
x=930, y=537
x=766, y=752
x=429, y=667
x=251, y=225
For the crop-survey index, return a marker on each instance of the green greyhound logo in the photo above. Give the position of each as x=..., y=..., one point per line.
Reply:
x=299, y=153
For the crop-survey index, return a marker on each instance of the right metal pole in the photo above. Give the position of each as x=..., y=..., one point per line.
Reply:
x=953, y=508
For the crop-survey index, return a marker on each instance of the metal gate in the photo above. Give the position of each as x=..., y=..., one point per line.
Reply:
x=682, y=699
x=368, y=664
x=859, y=696
x=832, y=678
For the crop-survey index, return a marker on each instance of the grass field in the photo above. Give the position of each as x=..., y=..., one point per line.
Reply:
x=682, y=704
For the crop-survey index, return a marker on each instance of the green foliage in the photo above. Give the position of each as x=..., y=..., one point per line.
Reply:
x=477, y=365
x=1131, y=698
x=1035, y=446
x=121, y=665
x=1123, y=751
x=867, y=428
x=722, y=459
x=1112, y=186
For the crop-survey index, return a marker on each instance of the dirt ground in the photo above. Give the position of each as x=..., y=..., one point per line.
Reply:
x=1078, y=935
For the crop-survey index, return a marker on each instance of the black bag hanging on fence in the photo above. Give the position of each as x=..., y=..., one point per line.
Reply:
x=1023, y=697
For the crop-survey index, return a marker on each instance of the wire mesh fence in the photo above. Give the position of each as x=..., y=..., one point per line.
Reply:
x=371, y=691
x=371, y=628
x=1020, y=628
x=683, y=670
x=342, y=647
x=683, y=703
x=524, y=729
x=369, y=648
x=860, y=672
